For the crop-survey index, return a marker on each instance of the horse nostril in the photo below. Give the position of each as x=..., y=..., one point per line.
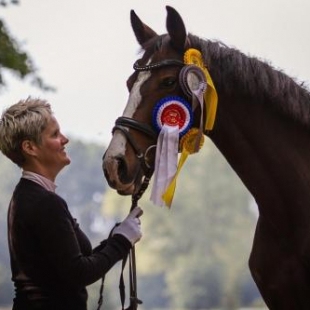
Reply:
x=121, y=168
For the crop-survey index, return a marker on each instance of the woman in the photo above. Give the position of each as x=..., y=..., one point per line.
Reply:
x=52, y=260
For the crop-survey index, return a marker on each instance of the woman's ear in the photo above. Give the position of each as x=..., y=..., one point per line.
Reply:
x=29, y=147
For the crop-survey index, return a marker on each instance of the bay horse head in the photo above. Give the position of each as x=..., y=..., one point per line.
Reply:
x=159, y=74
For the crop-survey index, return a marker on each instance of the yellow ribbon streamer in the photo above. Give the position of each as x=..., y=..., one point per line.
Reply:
x=188, y=145
x=188, y=142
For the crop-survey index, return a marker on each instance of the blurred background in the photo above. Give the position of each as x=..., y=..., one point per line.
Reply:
x=78, y=55
x=85, y=49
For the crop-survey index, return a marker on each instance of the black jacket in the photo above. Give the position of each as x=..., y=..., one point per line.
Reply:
x=52, y=260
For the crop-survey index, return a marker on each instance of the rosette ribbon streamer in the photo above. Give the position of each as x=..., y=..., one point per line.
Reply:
x=189, y=146
x=165, y=161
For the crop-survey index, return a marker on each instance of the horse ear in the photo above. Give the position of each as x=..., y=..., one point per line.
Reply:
x=142, y=32
x=176, y=29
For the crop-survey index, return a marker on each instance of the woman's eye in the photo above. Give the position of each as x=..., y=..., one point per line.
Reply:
x=168, y=82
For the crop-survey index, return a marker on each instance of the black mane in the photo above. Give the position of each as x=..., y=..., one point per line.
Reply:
x=254, y=78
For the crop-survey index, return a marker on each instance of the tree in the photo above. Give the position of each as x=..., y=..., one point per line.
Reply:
x=5, y=3
x=15, y=60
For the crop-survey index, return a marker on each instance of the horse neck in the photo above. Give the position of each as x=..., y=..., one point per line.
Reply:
x=268, y=150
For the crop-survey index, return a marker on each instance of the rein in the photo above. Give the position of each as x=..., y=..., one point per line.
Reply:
x=134, y=300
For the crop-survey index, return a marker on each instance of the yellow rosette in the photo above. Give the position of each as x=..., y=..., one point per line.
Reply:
x=194, y=57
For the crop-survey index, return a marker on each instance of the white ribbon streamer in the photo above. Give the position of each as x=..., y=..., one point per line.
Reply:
x=166, y=162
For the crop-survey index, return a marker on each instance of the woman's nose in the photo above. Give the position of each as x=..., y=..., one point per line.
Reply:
x=64, y=139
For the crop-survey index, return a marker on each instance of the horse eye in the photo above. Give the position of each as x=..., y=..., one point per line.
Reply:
x=168, y=82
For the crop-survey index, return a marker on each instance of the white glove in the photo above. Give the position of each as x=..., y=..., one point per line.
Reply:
x=130, y=228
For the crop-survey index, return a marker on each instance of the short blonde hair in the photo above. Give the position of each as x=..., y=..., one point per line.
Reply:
x=22, y=121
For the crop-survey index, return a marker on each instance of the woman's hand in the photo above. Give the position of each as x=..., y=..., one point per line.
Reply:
x=130, y=228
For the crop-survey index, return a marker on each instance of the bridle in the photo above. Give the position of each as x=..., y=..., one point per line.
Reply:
x=122, y=124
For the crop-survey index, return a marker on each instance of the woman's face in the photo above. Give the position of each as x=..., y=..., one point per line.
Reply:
x=51, y=151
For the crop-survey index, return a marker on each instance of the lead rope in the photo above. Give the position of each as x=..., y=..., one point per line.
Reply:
x=134, y=300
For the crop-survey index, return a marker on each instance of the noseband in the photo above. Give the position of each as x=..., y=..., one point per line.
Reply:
x=122, y=123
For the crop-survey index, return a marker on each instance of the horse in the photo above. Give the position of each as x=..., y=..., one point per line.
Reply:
x=262, y=130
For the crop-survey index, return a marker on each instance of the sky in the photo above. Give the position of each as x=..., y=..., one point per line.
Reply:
x=86, y=49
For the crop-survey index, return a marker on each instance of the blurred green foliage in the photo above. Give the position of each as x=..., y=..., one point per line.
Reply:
x=14, y=59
